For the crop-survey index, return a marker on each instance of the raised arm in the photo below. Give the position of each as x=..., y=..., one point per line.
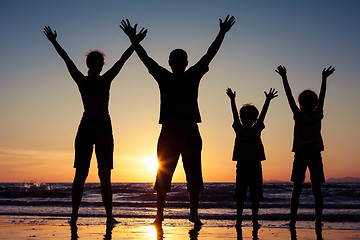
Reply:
x=115, y=69
x=234, y=110
x=131, y=33
x=215, y=46
x=326, y=72
x=281, y=70
x=74, y=72
x=269, y=96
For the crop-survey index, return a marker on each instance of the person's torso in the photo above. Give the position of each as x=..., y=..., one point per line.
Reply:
x=179, y=94
x=307, y=130
x=95, y=93
x=248, y=145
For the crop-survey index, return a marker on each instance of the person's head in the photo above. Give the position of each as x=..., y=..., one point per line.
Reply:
x=308, y=100
x=248, y=114
x=178, y=60
x=95, y=61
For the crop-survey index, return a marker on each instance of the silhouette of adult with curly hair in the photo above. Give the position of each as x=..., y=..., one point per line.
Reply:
x=95, y=127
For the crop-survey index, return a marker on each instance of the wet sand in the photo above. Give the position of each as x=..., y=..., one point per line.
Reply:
x=142, y=230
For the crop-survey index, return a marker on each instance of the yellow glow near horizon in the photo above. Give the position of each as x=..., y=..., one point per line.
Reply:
x=152, y=163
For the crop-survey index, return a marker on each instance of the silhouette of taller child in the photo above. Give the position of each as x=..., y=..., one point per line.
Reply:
x=179, y=115
x=307, y=144
x=95, y=126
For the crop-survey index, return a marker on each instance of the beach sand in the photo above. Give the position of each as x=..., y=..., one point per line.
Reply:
x=140, y=229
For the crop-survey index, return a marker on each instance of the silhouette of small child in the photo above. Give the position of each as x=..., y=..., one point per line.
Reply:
x=307, y=143
x=249, y=152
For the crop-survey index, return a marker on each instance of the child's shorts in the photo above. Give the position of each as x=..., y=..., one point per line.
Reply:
x=90, y=133
x=308, y=158
x=249, y=176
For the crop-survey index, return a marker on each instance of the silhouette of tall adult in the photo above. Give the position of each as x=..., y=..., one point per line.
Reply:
x=179, y=115
x=95, y=127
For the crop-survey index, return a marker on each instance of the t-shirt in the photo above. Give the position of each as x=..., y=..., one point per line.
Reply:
x=307, y=130
x=248, y=145
x=95, y=93
x=178, y=93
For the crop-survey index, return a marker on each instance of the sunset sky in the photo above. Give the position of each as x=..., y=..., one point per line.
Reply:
x=40, y=105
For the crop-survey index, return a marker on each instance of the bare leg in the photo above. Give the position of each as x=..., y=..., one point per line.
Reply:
x=294, y=202
x=106, y=193
x=239, y=233
x=160, y=200
x=240, y=208
x=194, y=207
x=255, y=213
x=77, y=192
x=316, y=188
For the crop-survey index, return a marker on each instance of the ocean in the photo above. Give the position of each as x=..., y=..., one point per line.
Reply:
x=47, y=201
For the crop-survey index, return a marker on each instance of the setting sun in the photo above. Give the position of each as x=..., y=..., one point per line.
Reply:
x=152, y=163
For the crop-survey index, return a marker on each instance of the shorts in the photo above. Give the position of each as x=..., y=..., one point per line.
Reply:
x=98, y=133
x=173, y=141
x=312, y=159
x=249, y=176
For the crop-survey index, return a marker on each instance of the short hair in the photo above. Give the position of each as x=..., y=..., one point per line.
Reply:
x=308, y=100
x=178, y=55
x=95, y=58
x=248, y=113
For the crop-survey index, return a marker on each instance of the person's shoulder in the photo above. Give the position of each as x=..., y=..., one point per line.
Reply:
x=81, y=79
x=237, y=126
x=200, y=66
x=153, y=66
x=259, y=125
x=318, y=113
x=101, y=78
x=297, y=113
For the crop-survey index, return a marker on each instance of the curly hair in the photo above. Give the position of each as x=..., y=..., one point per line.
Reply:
x=95, y=59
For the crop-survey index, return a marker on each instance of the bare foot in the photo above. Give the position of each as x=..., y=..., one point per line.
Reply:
x=256, y=225
x=112, y=221
x=73, y=220
x=292, y=225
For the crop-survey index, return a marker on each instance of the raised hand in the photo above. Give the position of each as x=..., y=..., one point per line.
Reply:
x=141, y=35
x=281, y=70
x=230, y=93
x=127, y=28
x=327, y=71
x=227, y=24
x=50, y=34
x=271, y=94
x=113, y=72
